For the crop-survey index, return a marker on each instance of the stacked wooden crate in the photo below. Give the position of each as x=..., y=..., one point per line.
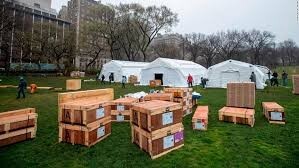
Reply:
x=121, y=109
x=182, y=96
x=133, y=79
x=295, y=84
x=159, y=96
x=157, y=127
x=200, y=118
x=274, y=112
x=17, y=126
x=84, y=117
x=240, y=104
x=73, y=84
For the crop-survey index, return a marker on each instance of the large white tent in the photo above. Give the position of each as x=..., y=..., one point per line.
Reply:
x=122, y=68
x=172, y=72
x=265, y=70
x=233, y=71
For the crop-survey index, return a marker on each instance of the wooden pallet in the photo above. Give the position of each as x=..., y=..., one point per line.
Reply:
x=241, y=95
x=179, y=92
x=17, y=119
x=85, y=135
x=185, y=101
x=83, y=111
x=159, y=142
x=237, y=115
x=159, y=96
x=73, y=84
x=273, y=112
x=154, y=115
x=17, y=136
x=121, y=109
x=200, y=118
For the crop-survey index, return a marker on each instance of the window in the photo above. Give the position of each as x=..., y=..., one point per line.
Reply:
x=37, y=5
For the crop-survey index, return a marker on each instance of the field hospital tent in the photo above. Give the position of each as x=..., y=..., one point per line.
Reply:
x=172, y=72
x=233, y=71
x=122, y=68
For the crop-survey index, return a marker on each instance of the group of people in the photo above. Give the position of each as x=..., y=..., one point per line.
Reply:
x=190, y=81
x=111, y=78
x=274, y=79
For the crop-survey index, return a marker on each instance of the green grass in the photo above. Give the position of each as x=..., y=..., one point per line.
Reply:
x=291, y=70
x=223, y=145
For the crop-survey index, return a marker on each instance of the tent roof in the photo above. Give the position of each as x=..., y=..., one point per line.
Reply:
x=244, y=64
x=176, y=63
x=129, y=64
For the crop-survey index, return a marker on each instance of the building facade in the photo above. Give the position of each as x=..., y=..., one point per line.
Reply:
x=79, y=12
x=32, y=17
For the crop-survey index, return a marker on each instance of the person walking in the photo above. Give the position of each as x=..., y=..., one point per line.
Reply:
x=253, y=78
x=284, y=77
x=21, y=88
x=274, y=79
x=102, y=79
x=190, y=81
x=123, y=81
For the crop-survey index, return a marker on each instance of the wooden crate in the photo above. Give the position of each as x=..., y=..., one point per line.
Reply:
x=185, y=101
x=121, y=109
x=73, y=84
x=133, y=79
x=84, y=111
x=274, y=112
x=17, y=125
x=159, y=142
x=200, y=118
x=159, y=96
x=85, y=135
x=241, y=95
x=17, y=136
x=154, y=115
x=179, y=92
x=237, y=115
x=295, y=84
x=96, y=95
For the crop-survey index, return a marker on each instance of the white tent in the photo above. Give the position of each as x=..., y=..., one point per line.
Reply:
x=122, y=68
x=172, y=72
x=233, y=71
x=265, y=70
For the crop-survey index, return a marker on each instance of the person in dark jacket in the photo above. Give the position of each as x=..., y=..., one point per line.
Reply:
x=110, y=78
x=204, y=82
x=21, y=88
x=284, y=77
x=274, y=80
x=103, y=78
x=253, y=78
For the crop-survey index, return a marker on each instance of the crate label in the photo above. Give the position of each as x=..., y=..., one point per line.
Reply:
x=199, y=125
x=101, y=132
x=120, y=118
x=179, y=136
x=276, y=116
x=167, y=118
x=120, y=108
x=168, y=142
x=100, y=113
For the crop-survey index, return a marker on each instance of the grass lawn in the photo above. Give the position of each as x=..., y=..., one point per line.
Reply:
x=223, y=145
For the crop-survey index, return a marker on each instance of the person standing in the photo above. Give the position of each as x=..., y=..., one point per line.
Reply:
x=284, y=77
x=123, y=81
x=110, y=78
x=102, y=79
x=204, y=82
x=190, y=81
x=275, y=79
x=21, y=88
x=253, y=78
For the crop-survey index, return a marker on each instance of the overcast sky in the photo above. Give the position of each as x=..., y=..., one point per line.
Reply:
x=209, y=16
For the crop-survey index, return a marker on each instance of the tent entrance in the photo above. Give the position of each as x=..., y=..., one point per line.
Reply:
x=229, y=76
x=159, y=77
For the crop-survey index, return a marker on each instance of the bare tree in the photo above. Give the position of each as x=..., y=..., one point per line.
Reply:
x=194, y=44
x=287, y=51
x=258, y=41
x=231, y=44
x=166, y=50
x=209, y=49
